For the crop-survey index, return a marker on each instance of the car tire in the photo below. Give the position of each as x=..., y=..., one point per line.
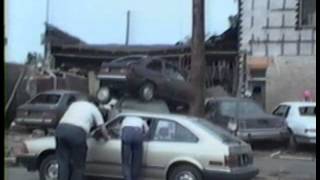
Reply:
x=292, y=142
x=49, y=168
x=186, y=171
x=147, y=91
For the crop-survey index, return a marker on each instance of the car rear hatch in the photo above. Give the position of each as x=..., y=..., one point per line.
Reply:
x=36, y=114
x=240, y=155
x=262, y=122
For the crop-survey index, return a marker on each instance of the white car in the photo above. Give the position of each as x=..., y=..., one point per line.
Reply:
x=176, y=147
x=301, y=121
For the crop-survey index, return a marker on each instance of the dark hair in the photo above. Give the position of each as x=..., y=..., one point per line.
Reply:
x=93, y=100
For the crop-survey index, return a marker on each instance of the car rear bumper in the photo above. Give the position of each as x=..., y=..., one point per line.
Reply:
x=36, y=122
x=242, y=174
x=264, y=134
x=28, y=161
x=306, y=140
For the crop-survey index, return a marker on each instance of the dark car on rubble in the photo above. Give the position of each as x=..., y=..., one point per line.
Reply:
x=145, y=76
x=44, y=110
x=246, y=119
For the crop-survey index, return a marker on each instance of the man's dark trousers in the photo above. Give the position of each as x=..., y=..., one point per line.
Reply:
x=132, y=151
x=71, y=152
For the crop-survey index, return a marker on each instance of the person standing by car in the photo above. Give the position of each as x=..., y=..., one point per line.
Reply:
x=71, y=135
x=133, y=131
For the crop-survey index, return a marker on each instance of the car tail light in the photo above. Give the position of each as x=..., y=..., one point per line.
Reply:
x=231, y=161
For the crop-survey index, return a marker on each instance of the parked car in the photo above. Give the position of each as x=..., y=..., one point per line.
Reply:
x=176, y=147
x=246, y=119
x=302, y=121
x=44, y=110
x=145, y=76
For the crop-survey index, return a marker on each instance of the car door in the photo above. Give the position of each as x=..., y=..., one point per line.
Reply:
x=154, y=72
x=104, y=157
x=177, y=83
x=169, y=141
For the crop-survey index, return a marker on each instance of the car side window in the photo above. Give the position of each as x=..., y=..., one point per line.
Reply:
x=169, y=131
x=155, y=66
x=71, y=99
x=173, y=72
x=114, y=128
x=281, y=111
x=46, y=99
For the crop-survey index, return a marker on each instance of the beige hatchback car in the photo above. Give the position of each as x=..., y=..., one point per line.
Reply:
x=176, y=148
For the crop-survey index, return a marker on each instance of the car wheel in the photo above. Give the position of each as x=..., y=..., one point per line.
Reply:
x=185, y=172
x=147, y=91
x=292, y=142
x=49, y=168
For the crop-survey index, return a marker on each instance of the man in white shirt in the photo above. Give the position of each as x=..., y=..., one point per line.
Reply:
x=133, y=131
x=71, y=136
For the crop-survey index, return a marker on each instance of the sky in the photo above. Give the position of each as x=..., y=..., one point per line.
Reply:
x=104, y=21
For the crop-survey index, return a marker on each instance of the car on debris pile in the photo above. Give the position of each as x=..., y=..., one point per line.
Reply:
x=145, y=76
x=44, y=110
x=301, y=120
x=176, y=147
x=246, y=119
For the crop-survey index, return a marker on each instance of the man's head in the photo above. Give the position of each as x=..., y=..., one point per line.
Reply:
x=307, y=95
x=93, y=100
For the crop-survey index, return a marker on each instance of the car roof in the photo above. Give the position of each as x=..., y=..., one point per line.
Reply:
x=298, y=103
x=177, y=117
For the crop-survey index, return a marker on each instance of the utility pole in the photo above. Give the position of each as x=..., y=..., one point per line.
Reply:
x=128, y=28
x=198, y=58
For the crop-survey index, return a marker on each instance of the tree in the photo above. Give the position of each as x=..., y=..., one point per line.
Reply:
x=198, y=58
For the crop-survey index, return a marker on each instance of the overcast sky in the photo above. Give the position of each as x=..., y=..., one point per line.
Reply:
x=104, y=21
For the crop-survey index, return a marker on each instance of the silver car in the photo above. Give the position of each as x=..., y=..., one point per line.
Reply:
x=176, y=147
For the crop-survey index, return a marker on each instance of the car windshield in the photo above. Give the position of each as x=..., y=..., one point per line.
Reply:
x=307, y=111
x=228, y=108
x=46, y=99
x=218, y=132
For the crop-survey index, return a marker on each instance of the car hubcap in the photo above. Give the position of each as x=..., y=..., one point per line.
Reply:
x=148, y=92
x=185, y=176
x=52, y=171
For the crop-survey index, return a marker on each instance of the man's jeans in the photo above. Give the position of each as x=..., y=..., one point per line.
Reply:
x=132, y=151
x=71, y=152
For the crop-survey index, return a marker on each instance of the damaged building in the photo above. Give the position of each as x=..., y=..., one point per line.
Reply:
x=71, y=54
x=279, y=37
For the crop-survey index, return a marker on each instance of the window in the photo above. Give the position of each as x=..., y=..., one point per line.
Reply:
x=155, y=66
x=228, y=108
x=171, y=131
x=307, y=111
x=307, y=13
x=248, y=107
x=173, y=72
x=217, y=132
x=70, y=100
x=46, y=99
x=282, y=111
x=114, y=128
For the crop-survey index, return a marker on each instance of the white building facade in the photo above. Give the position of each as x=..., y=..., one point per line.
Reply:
x=279, y=38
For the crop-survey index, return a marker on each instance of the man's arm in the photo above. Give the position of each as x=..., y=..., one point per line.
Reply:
x=99, y=122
